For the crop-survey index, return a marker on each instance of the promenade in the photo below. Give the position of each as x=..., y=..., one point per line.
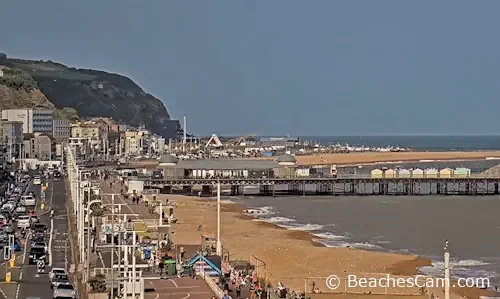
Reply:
x=155, y=288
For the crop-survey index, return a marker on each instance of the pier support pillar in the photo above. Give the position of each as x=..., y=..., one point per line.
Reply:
x=206, y=190
x=407, y=187
x=166, y=190
x=264, y=190
x=438, y=188
x=235, y=190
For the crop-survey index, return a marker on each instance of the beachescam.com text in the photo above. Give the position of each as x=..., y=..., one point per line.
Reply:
x=420, y=281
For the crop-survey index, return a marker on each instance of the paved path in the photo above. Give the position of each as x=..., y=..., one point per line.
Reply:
x=178, y=288
x=28, y=284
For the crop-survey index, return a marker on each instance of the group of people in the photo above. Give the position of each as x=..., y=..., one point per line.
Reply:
x=237, y=282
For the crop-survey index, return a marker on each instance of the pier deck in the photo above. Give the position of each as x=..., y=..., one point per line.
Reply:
x=473, y=185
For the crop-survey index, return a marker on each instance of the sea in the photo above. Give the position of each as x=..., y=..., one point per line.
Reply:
x=417, y=143
x=409, y=225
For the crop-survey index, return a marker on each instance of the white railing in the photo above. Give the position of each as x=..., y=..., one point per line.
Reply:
x=211, y=283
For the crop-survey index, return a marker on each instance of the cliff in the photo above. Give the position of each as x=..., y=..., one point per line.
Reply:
x=90, y=92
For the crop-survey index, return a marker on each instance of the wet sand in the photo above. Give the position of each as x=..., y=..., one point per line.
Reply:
x=289, y=256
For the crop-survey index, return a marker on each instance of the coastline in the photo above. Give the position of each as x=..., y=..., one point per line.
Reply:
x=289, y=255
x=374, y=158
x=370, y=158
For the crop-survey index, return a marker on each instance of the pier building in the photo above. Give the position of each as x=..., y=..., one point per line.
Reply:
x=173, y=168
x=287, y=166
x=460, y=172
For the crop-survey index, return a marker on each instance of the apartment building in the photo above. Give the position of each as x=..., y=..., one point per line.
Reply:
x=25, y=116
x=42, y=121
x=12, y=137
x=61, y=129
x=33, y=120
x=133, y=143
x=41, y=146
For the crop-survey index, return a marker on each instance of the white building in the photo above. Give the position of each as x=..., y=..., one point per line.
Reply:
x=161, y=145
x=1, y=73
x=23, y=115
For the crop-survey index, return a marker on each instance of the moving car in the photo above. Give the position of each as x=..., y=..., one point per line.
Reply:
x=56, y=271
x=39, y=228
x=37, y=253
x=64, y=291
x=59, y=279
x=37, y=180
x=39, y=244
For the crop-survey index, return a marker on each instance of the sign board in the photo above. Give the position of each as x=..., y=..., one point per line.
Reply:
x=11, y=241
x=107, y=229
x=6, y=253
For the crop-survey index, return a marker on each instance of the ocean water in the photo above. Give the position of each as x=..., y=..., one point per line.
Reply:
x=411, y=225
x=419, y=143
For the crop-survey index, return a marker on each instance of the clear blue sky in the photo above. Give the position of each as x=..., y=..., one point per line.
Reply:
x=307, y=67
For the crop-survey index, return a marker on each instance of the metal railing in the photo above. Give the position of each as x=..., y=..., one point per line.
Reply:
x=339, y=176
x=211, y=283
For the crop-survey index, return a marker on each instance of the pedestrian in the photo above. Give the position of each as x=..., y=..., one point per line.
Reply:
x=238, y=290
x=161, y=266
x=226, y=295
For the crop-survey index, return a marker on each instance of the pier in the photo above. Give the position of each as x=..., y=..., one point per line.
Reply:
x=360, y=186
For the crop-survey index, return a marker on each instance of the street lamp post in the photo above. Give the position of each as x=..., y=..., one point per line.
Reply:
x=219, y=244
x=446, y=270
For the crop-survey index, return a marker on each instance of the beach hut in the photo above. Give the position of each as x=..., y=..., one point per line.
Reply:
x=390, y=173
x=404, y=173
x=417, y=173
x=446, y=173
x=377, y=173
x=461, y=172
x=431, y=173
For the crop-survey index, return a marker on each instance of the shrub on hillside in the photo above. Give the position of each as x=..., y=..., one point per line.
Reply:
x=18, y=80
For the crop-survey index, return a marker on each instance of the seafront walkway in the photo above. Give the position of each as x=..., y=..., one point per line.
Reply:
x=156, y=288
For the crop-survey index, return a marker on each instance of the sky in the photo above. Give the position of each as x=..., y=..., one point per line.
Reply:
x=284, y=67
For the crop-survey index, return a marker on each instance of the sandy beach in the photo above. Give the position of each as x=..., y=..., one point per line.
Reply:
x=290, y=256
x=369, y=158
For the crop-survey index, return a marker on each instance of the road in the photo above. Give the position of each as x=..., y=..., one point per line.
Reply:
x=29, y=285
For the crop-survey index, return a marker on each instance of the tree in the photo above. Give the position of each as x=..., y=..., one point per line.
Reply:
x=97, y=283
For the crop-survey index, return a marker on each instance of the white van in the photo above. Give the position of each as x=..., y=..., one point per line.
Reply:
x=37, y=180
x=28, y=200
